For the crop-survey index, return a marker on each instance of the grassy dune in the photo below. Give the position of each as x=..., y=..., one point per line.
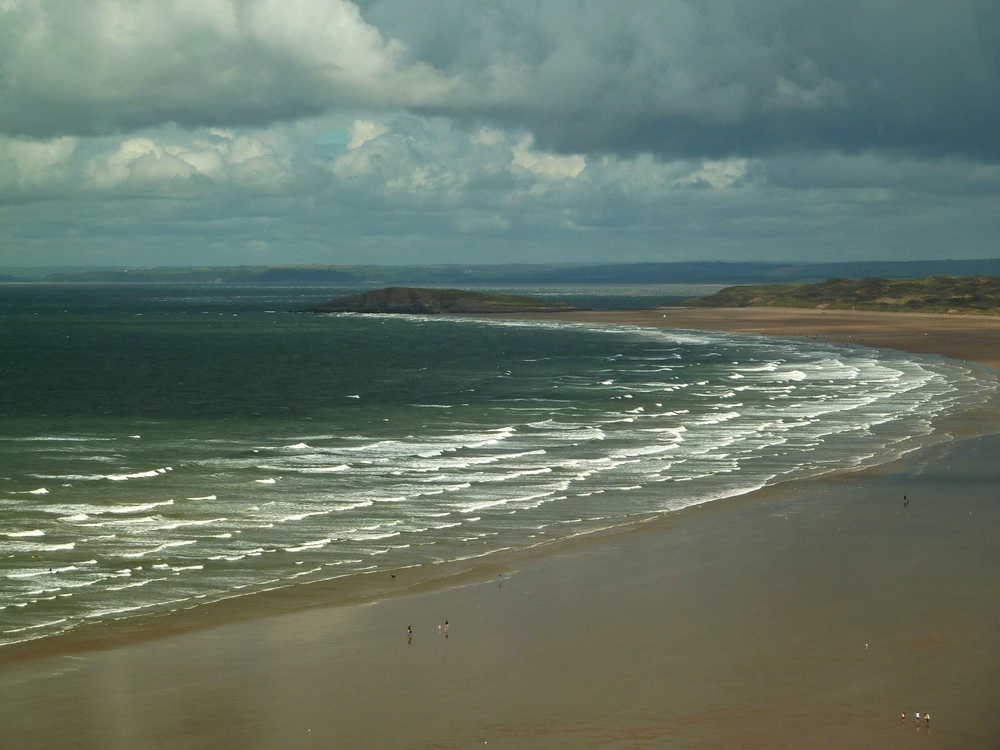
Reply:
x=932, y=294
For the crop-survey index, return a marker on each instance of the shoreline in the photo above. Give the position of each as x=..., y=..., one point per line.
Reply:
x=971, y=338
x=802, y=619
x=363, y=589
x=558, y=588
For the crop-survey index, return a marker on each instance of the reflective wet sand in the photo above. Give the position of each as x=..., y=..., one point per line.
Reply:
x=807, y=617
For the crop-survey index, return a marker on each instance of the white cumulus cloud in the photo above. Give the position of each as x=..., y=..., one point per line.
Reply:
x=104, y=65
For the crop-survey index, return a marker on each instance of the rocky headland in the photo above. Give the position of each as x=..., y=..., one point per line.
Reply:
x=419, y=301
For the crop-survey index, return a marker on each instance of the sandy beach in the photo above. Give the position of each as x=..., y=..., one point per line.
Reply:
x=809, y=615
x=975, y=338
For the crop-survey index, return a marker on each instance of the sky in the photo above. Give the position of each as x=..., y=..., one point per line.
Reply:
x=274, y=132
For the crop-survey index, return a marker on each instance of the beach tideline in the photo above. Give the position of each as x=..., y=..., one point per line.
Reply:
x=975, y=338
x=809, y=615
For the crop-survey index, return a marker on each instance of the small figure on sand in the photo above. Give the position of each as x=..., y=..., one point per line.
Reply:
x=905, y=501
x=501, y=580
x=445, y=628
x=902, y=716
x=927, y=719
x=409, y=634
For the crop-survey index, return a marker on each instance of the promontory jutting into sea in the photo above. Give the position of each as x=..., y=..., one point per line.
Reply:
x=172, y=446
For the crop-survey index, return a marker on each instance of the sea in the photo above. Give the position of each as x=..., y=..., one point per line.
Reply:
x=162, y=447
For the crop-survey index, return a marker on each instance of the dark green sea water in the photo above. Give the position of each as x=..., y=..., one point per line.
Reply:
x=161, y=446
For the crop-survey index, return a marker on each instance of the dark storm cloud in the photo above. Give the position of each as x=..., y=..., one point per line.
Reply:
x=721, y=77
x=678, y=78
x=329, y=131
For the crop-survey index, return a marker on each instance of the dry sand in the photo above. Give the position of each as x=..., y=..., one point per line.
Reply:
x=808, y=616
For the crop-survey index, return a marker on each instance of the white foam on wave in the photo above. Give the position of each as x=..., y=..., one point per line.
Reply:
x=54, y=439
x=318, y=544
x=718, y=418
x=565, y=432
x=793, y=375
x=206, y=497
x=304, y=572
x=497, y=502
x=25, y=573
x=19, y=534
x=181, y=524
x=645, y=450
x=302, y=515
x=137, y=475
x=444, y=488
x=317, y=469
x=551, y=424
x=766, y=367
x=38, y=626
x=269, y=480
x=513, y=475
x=32, y=546
x=70, y=477
x=126, y=509
x=343, y=507
x=161, y=548
x=123, y=610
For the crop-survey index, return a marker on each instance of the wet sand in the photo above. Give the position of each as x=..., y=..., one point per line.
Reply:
x=806, y=616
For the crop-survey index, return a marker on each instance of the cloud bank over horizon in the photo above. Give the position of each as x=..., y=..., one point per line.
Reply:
x=158, y=132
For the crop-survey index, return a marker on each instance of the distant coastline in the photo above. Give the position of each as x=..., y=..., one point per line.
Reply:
x=467, y=275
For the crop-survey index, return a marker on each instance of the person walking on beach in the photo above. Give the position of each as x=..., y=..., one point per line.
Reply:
x=445, y=628
x=409, y=634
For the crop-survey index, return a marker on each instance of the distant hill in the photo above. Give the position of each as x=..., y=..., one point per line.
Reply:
x=412, y=300
x=488, y=275
x=254, y=275
x=937, y=294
